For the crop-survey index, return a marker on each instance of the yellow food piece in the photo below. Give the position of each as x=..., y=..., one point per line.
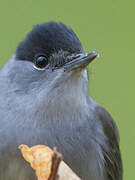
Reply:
x=40, y=159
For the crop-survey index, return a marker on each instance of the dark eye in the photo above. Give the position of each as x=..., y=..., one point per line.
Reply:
x=41, y=61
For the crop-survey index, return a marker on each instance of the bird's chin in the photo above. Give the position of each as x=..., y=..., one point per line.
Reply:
x=78, y=72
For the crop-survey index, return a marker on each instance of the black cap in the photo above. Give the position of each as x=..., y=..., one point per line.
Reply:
x=48, y=38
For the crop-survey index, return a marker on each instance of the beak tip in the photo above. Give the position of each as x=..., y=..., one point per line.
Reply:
x=98, y=55
x=94, y=53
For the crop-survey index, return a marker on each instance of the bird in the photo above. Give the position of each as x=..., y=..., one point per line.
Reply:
x=44, y=99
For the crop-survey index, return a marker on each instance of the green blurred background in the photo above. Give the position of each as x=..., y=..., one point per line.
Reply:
x=104, y=25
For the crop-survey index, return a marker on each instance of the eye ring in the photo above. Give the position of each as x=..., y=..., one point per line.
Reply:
x=40, y=61
x=39, y=69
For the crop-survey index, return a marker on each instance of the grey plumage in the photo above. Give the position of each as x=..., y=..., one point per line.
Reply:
x=53, y=107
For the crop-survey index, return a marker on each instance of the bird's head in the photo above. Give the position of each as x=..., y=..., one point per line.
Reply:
x=50, y=56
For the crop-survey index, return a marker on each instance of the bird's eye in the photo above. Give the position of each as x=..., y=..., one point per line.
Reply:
x=41, y=61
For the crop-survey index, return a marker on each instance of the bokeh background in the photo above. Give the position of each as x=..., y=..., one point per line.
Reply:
x=107, y=26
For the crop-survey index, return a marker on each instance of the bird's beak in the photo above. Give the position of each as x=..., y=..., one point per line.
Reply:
x=80, y=61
